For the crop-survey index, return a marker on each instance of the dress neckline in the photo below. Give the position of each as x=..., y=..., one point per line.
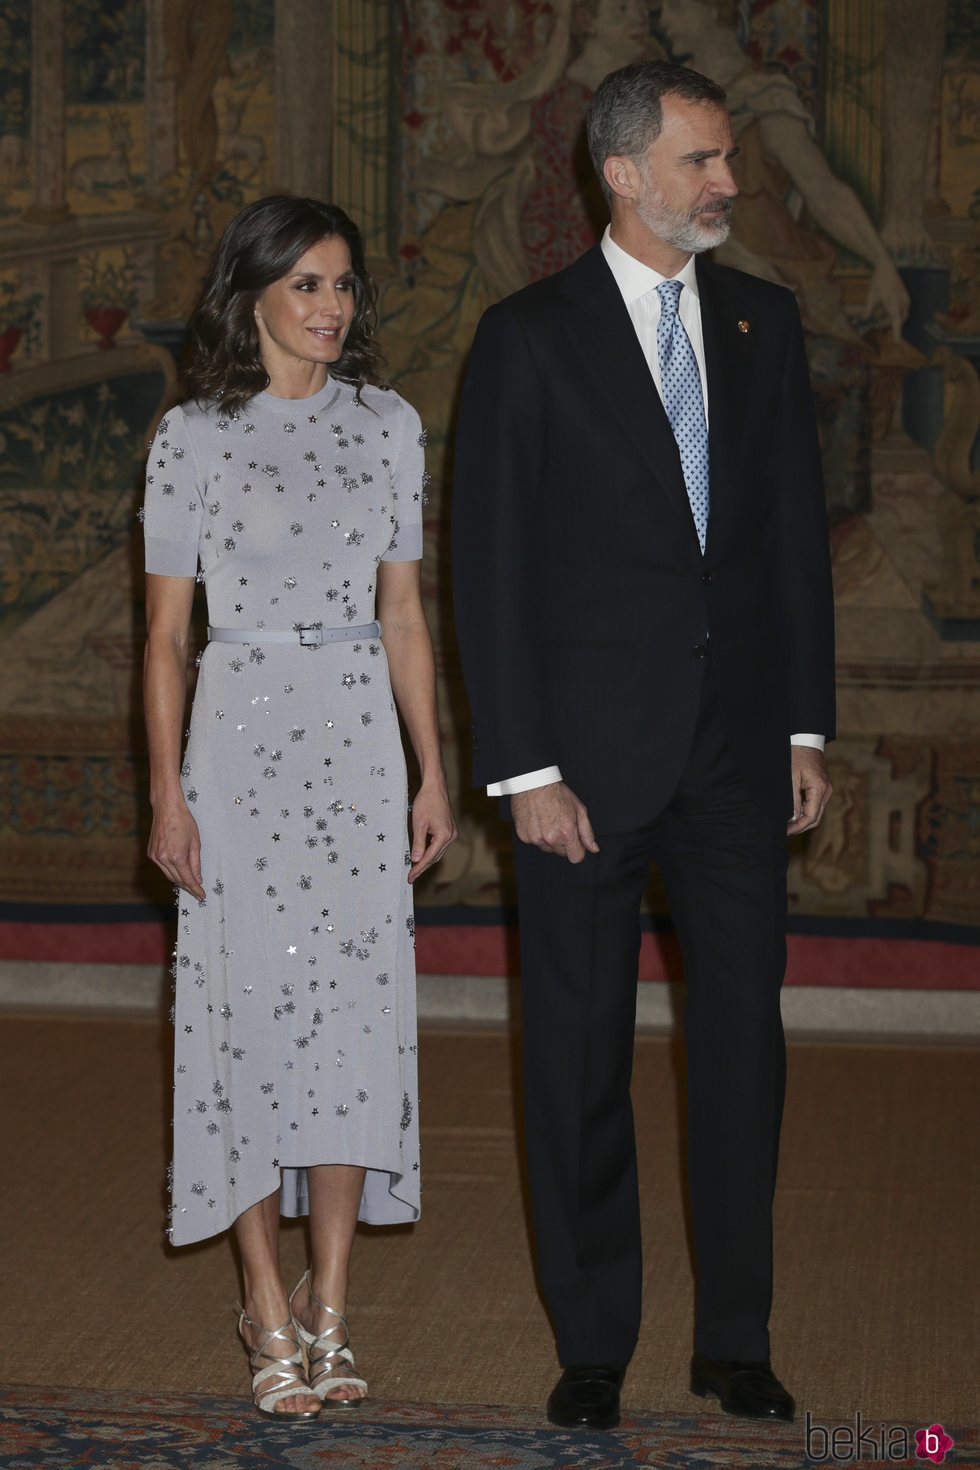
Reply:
x=325, y=398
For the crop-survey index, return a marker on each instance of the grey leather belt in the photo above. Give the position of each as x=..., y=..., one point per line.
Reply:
x=308, y=635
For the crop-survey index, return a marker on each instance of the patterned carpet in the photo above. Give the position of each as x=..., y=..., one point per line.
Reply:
x=71, y=1429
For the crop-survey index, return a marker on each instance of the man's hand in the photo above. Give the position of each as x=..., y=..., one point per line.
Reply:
x=811, y=788
x=553, y=818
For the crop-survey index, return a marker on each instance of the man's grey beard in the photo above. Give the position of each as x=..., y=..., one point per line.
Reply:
x=685, y=231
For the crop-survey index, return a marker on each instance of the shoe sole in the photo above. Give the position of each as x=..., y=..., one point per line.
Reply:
x=285, y=1418
x=585, y=1424
x=706, y=1390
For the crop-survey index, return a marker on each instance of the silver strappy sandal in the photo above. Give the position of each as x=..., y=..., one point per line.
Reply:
x=326, y=1351
x=275, y=1378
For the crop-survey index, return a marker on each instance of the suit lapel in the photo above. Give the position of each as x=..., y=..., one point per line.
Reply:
x=730, y=337
x=603, y=337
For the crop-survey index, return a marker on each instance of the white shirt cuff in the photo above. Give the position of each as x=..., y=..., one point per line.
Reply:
x=547, y=776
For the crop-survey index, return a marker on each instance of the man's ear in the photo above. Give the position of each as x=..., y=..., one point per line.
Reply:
x=621, y=175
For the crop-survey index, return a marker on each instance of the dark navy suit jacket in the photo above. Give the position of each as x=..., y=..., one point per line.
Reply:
x=585, y=608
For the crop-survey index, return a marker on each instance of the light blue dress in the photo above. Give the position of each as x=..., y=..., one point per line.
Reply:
x=295, y=1039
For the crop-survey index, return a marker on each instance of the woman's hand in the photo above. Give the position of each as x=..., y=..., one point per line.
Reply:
x=175, y=846
x=433, y=827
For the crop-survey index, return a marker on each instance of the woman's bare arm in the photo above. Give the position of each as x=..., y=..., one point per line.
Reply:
x=175, y=845
x=405, y=635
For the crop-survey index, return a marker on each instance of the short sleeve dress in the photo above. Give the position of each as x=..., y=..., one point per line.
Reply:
x=295, y=1039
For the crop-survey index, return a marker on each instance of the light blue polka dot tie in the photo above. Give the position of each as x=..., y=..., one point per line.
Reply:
x=681, y=383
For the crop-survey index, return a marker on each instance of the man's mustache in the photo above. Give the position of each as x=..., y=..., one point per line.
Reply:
x=723, y=207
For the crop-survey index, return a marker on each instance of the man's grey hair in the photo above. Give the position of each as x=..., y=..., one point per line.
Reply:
x=626, y=113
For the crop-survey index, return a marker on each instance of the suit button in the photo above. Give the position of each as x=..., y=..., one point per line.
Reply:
x=700, y=650
x=706, y=578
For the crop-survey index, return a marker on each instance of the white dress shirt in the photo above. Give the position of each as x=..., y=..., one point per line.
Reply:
x=638, y=287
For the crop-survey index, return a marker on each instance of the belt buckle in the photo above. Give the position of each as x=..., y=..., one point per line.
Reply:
x=315, y=630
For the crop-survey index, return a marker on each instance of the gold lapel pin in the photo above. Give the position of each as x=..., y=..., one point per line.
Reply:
x=743, y=326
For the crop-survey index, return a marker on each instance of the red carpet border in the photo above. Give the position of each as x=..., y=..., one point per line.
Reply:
x=485, y=950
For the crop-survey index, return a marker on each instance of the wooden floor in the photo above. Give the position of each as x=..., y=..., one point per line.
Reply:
x=876, y=1229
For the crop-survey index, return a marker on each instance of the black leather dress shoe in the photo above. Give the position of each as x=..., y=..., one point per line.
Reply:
x=749, y=1389
x=587, y=1397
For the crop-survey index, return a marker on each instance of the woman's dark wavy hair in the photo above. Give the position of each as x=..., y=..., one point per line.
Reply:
x=223, y=365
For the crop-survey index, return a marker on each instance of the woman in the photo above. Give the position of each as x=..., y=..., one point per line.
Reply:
x=295, y=480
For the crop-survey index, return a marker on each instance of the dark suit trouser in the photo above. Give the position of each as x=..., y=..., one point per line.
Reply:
x=723, y=863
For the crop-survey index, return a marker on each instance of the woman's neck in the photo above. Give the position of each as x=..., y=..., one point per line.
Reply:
x=296, y=380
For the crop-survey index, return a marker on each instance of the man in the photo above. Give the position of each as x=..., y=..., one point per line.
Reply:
x=645, y=616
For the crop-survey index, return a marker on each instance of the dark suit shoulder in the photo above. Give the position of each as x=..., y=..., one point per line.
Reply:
x=742, y=286
x=540, y=300
x=531, y=304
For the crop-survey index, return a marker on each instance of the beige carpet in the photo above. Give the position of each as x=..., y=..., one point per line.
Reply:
x=877, y=1225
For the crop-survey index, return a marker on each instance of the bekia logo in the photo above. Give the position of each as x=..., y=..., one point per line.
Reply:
x=860, y=1441
x=932, y=1444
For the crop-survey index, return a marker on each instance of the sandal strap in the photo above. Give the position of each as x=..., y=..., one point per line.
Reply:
x=319, y=1338
x=323, y=1380
x=324, y=1362
x=324, y=1307
x=324, y=1353
x=290, y=1386
x=323, y=1388
x=272, y=1396
x=288, y=1368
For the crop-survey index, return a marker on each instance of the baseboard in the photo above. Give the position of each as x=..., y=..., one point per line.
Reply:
x=837, y=1012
